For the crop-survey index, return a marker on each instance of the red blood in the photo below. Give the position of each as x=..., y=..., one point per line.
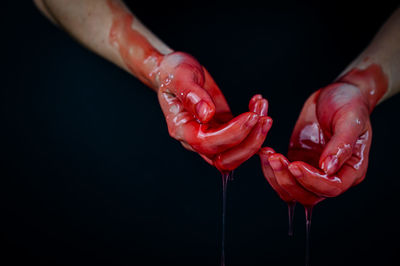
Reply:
x=371, y=81
x=135, y=50
x=330, y=143
x=195, y=109
x=329, y=147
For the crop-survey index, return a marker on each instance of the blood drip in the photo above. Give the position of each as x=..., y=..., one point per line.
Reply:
x=226, y=177
x=291, y=207
x=308, y=213
x=143, y=60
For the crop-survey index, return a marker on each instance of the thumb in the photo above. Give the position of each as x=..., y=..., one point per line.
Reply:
x=183, y=77
x=196, y=100
x=347, y=128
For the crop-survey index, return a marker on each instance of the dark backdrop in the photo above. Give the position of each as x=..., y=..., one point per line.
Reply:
x=89, y=175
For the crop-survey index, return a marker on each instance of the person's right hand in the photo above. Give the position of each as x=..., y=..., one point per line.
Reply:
x=199, y=117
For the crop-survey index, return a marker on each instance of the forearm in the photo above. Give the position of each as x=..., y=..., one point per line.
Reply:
x=109, y=29
x=377, y=69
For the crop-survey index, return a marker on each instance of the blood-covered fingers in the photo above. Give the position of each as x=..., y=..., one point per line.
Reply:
x=289, y=183
x=351, y=172
x=348, y=126
x=232, y=158
x=222, y=111
x=182, y=75
x=269, y=174
x=316, y=180
x=354, y=170
x=258, y=105
x=211, y=141
x=328, y=186
x=176, y=116
x=195, y=99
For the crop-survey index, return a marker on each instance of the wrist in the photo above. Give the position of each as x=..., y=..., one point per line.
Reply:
x=149, y=70
x=372, y=82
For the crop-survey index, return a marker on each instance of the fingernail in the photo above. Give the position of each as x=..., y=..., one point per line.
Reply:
x=264, y=125
x=204, y=111
x=330, y=164
x=252, y=120
x=276, y=164
x=266, y=151
x=256, y=98
x=295, y=170
x=263, y=107
x=267, y=123
x=257, y=107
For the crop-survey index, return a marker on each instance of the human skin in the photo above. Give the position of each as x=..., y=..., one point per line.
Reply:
x=196, y=111
x=330, y=143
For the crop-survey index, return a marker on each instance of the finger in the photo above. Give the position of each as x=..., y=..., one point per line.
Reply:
x=347, y=129
x=195, y=99
x=256, y=97
x=317, y=181
x=181, y=126
x=269, y=174
x=185, y=84
x=222, y=111
x=176, y=116
x=287, y=181
x=212, y=141
x=350, y=174
x=259, y=105
x=253, y=100
x=232, y=158
x=354, y=170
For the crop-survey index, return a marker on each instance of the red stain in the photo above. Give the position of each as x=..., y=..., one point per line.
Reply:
x=195, y=109
x=372, y=81
x=329, y=147
x=138, y=54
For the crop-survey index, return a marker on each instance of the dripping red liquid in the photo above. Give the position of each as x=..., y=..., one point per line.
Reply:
x=308, y=213
x=226, y=177
x=291, y=207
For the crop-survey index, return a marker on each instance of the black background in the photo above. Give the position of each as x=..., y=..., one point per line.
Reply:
x=89, y=175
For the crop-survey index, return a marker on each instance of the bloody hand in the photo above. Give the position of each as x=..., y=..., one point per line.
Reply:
x=199, y=117
x=197, y=113
x=329, y=147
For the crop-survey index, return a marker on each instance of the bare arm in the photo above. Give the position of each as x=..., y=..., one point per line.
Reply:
x=195, y=109
x=109, y=29
x=384, y=51
x=330, y=144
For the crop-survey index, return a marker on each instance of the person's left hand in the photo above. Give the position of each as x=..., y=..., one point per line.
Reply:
x=328, y=150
